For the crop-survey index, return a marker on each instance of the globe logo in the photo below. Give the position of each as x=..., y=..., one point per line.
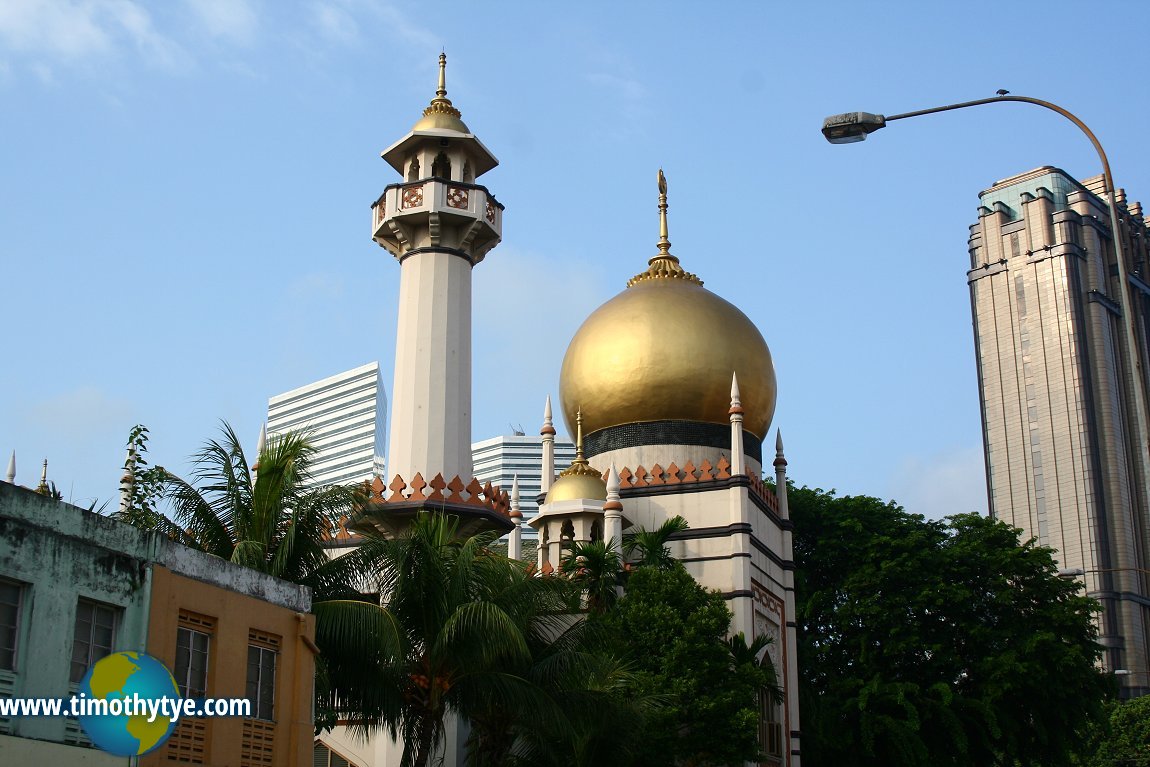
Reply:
x=127, y=677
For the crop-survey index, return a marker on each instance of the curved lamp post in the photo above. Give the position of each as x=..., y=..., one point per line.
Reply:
x=850, y=127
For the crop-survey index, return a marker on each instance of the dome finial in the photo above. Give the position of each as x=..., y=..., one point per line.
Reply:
x=580, y=465
x=441, y=104
x=663, y=264
x=664, y=243
x=579, y=435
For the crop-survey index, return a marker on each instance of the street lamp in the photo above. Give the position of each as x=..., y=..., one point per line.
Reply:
x=851, y=127
x=1078, y=572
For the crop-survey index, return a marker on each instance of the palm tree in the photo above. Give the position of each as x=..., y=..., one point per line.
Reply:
x=651, y=545
x=453, y=635
x=595, y=567
x=754, y=656
x=272, y=519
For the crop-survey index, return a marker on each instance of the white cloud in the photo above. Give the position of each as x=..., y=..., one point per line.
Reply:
x=949, y=482
x=231, y=20
x=334, y=22
x=69, y=31
x=403, y=27
x=627, y=93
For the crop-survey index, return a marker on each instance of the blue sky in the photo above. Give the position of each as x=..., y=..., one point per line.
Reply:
x=184, y=192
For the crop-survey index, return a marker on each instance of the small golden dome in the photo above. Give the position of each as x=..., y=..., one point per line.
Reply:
x=574, y=487
x=440, y=120
x=665, y=349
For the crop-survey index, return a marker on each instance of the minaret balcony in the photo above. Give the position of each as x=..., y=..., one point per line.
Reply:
x=437, y=212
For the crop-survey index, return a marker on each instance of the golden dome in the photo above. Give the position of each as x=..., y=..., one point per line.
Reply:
x=665, y=349
x=578, y=481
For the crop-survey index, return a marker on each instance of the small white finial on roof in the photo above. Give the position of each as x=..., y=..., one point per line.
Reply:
x=613, y=482
x=12, y=469
x=261, y=443
x=548, y=422
x=515, y=492
x=735, y=389
x=779, y=441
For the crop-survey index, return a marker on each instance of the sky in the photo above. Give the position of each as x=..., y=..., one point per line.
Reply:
x=185, y=191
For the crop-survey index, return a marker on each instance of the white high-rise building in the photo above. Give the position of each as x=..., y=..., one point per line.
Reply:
x=500, y=459
x=346, y=418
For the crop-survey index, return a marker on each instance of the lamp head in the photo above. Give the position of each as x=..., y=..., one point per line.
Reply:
x=850, y=127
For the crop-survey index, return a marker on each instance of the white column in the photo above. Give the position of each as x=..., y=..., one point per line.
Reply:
x=127, y=480
x=547, y=471
x=613, y=512
x=792, y=669
x=515, y=539
x=431, y=396
x=738, y=461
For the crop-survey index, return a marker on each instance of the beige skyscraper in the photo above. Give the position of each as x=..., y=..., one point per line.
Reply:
x=1057, y=390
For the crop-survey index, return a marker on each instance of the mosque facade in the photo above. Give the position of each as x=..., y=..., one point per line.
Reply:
x=669, y=388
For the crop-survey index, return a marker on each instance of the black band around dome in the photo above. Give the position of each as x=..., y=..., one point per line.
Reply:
x=668, y=433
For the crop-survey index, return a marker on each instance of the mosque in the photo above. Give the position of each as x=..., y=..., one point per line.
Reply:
x=669, y=388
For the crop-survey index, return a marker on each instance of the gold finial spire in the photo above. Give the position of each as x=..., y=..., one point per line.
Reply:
x=580, y=464
x=663, y=265
x=579, y=434
x=441, y=104
x=664, y=243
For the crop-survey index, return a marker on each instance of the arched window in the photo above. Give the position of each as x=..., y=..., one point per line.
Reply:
x=441, y=167
x=596, y=530
x=468, y=177
x=413, y=172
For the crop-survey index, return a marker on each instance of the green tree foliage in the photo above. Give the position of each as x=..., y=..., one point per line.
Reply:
x=936, y=642
x=674, y=632
x=1123, y=739
x=141, y=486
x=595, y=568
x=649, y=547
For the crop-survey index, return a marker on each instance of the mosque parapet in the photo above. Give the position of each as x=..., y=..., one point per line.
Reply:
x=469, y=218
x=478, y=506
x=643, y=479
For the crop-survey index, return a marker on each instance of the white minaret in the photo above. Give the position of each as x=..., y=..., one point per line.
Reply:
x=438, y=224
